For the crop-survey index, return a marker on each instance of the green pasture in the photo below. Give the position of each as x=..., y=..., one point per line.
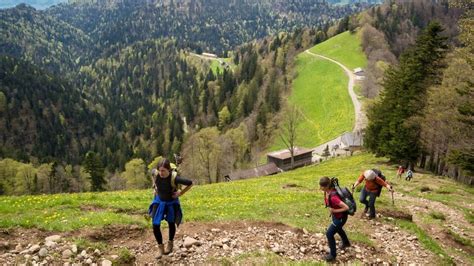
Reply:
x=345, y=48
x=320, y=91
x=260, y=199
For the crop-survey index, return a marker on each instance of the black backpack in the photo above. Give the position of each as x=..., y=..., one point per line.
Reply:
x=345, y=195
x=379, y=187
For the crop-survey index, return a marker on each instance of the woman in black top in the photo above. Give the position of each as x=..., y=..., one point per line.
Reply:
x=165, y=205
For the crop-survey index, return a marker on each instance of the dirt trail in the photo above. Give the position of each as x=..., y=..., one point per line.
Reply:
x=359, y=115
x=454, y=221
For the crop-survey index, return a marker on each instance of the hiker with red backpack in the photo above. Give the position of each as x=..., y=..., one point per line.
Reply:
x=339, y=213
x=374, y=181
x=400, y=171
x=166, y=205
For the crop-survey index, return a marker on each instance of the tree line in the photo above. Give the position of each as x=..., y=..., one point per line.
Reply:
x=423, y=114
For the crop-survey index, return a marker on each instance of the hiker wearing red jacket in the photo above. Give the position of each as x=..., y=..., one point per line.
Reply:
x=338, y=210
x=372, y=189
x=400, y=171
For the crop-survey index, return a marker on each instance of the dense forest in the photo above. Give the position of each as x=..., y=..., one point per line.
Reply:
x=212, y=25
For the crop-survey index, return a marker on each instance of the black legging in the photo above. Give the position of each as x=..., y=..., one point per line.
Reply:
x=159, y=237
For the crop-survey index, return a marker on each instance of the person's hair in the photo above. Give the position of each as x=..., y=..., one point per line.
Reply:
x=165, y=163
x=325, y=182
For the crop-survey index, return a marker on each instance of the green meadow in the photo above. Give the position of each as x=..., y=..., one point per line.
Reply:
x=291, y=198
x=320, y=91
x=217, y=67
x=345, y=48
x=258, y=199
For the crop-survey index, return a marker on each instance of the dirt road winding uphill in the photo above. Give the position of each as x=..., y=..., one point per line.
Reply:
x=359, y=115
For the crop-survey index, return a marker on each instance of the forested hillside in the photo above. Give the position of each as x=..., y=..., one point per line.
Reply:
x=420, y=76
x=212, y=25
x=34, y=117
x=127, y=85
x=41, y=39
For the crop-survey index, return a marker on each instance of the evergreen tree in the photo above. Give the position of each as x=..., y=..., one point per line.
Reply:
x=95, y=169
x=390, y=132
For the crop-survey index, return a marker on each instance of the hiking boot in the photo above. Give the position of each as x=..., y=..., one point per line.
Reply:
x=329, y=258
x=344, y=245
x=366, y=209
x=161, y=250
x=371, y=217
x=169, y=248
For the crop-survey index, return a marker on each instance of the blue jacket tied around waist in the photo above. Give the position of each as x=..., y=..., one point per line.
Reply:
x=165, y=210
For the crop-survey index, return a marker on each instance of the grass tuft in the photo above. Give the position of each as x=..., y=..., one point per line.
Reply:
x=438, y=215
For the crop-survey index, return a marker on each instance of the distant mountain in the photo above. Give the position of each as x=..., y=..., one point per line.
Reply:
x=209, y=25
x=38, y=4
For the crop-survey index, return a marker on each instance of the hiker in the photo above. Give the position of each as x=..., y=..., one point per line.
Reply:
x=400, y=171
x=165, y=205
x=338, y=211
x=372, y=189
x=409, y=175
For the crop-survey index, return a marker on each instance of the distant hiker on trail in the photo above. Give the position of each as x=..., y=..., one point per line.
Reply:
x=400, y=171
x=338, y=210
x=165, y=205
x=409, y=175
x=372, y=189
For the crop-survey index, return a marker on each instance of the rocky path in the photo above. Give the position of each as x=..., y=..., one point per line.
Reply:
x=199, y=243
x=401, y=246
x=453, y=221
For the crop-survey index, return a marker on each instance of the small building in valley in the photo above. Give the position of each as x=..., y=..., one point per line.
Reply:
x=262, y=170
x=359, y=71
x=209, y=55
x=282, y=158
x=352, y=141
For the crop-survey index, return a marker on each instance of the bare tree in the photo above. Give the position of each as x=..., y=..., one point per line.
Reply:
x=288, y=134
x=202, y=152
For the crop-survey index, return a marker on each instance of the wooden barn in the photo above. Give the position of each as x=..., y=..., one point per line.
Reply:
x=262, y=170
x=282, y=158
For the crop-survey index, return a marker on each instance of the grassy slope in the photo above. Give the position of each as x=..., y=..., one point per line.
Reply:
x=320, y=90
x=215, y=202
x=344, y=48
x=262, y=199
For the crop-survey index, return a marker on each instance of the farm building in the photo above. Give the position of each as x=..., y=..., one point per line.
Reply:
x=352, y=141
x=282, y=158
x=262, y=170
x=209, y=55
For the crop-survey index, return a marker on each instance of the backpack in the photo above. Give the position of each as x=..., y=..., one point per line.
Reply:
x=345, y=195
x=379, y=187
x=174, y=174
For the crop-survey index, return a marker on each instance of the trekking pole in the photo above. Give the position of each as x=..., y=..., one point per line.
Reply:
x=393, y=201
